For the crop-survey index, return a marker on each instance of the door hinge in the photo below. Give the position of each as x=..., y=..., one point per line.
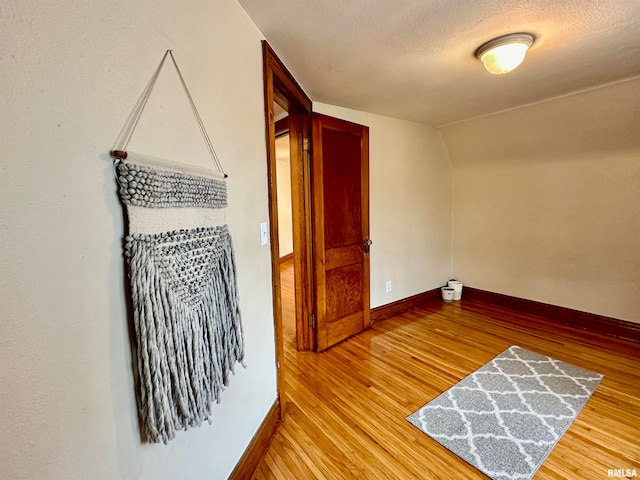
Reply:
x=306, y=145
x=312, y=320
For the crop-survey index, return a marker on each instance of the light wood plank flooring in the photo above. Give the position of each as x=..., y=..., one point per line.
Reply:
x=346, y=407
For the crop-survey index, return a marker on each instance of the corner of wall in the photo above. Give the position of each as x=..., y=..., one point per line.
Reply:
x=453, y=198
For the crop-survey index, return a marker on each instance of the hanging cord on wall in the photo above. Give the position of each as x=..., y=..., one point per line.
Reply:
x=203, y=130
x=127, y=132
x=120, y=153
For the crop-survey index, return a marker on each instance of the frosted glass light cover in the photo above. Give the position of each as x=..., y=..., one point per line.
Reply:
x=504, y=58
x=503, y=54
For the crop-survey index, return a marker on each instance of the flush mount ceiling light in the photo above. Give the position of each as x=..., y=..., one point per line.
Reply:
x=503, y=54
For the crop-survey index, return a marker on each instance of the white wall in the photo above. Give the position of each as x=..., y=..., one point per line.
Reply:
x=547, y=201
x=410, y=205
x=70, y=73
x=283, y=184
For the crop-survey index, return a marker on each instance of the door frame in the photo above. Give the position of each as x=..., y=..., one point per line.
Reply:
x=281, y=87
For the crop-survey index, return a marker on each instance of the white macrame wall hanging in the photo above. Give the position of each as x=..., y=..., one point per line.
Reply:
x=183, y=281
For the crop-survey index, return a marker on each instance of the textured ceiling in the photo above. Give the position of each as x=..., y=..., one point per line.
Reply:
x=414, y=59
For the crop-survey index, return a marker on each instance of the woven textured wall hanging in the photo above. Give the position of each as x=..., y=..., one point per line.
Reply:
x=183, y=283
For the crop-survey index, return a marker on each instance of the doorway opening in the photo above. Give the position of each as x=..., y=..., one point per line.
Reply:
x=287, y=106
x=329, y=207
x=285, y=228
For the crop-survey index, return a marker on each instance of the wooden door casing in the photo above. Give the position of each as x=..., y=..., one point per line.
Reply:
x=281, y=87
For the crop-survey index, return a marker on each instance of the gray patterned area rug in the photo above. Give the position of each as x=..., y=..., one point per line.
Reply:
x=505, y=417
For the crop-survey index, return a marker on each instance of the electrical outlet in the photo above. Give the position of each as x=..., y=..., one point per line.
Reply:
x=388, y=285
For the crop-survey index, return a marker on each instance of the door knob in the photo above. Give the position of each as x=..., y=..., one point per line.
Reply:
x=367, y=244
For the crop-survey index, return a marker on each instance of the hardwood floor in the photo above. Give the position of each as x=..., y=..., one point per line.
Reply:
x=347, y=406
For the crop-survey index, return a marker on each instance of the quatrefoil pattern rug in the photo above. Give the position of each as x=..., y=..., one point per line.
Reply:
x=505, y=417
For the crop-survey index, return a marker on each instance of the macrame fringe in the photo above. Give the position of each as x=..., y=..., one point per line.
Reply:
x=188, y=343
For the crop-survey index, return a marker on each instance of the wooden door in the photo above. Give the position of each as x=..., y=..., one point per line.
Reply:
x=340, y=211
